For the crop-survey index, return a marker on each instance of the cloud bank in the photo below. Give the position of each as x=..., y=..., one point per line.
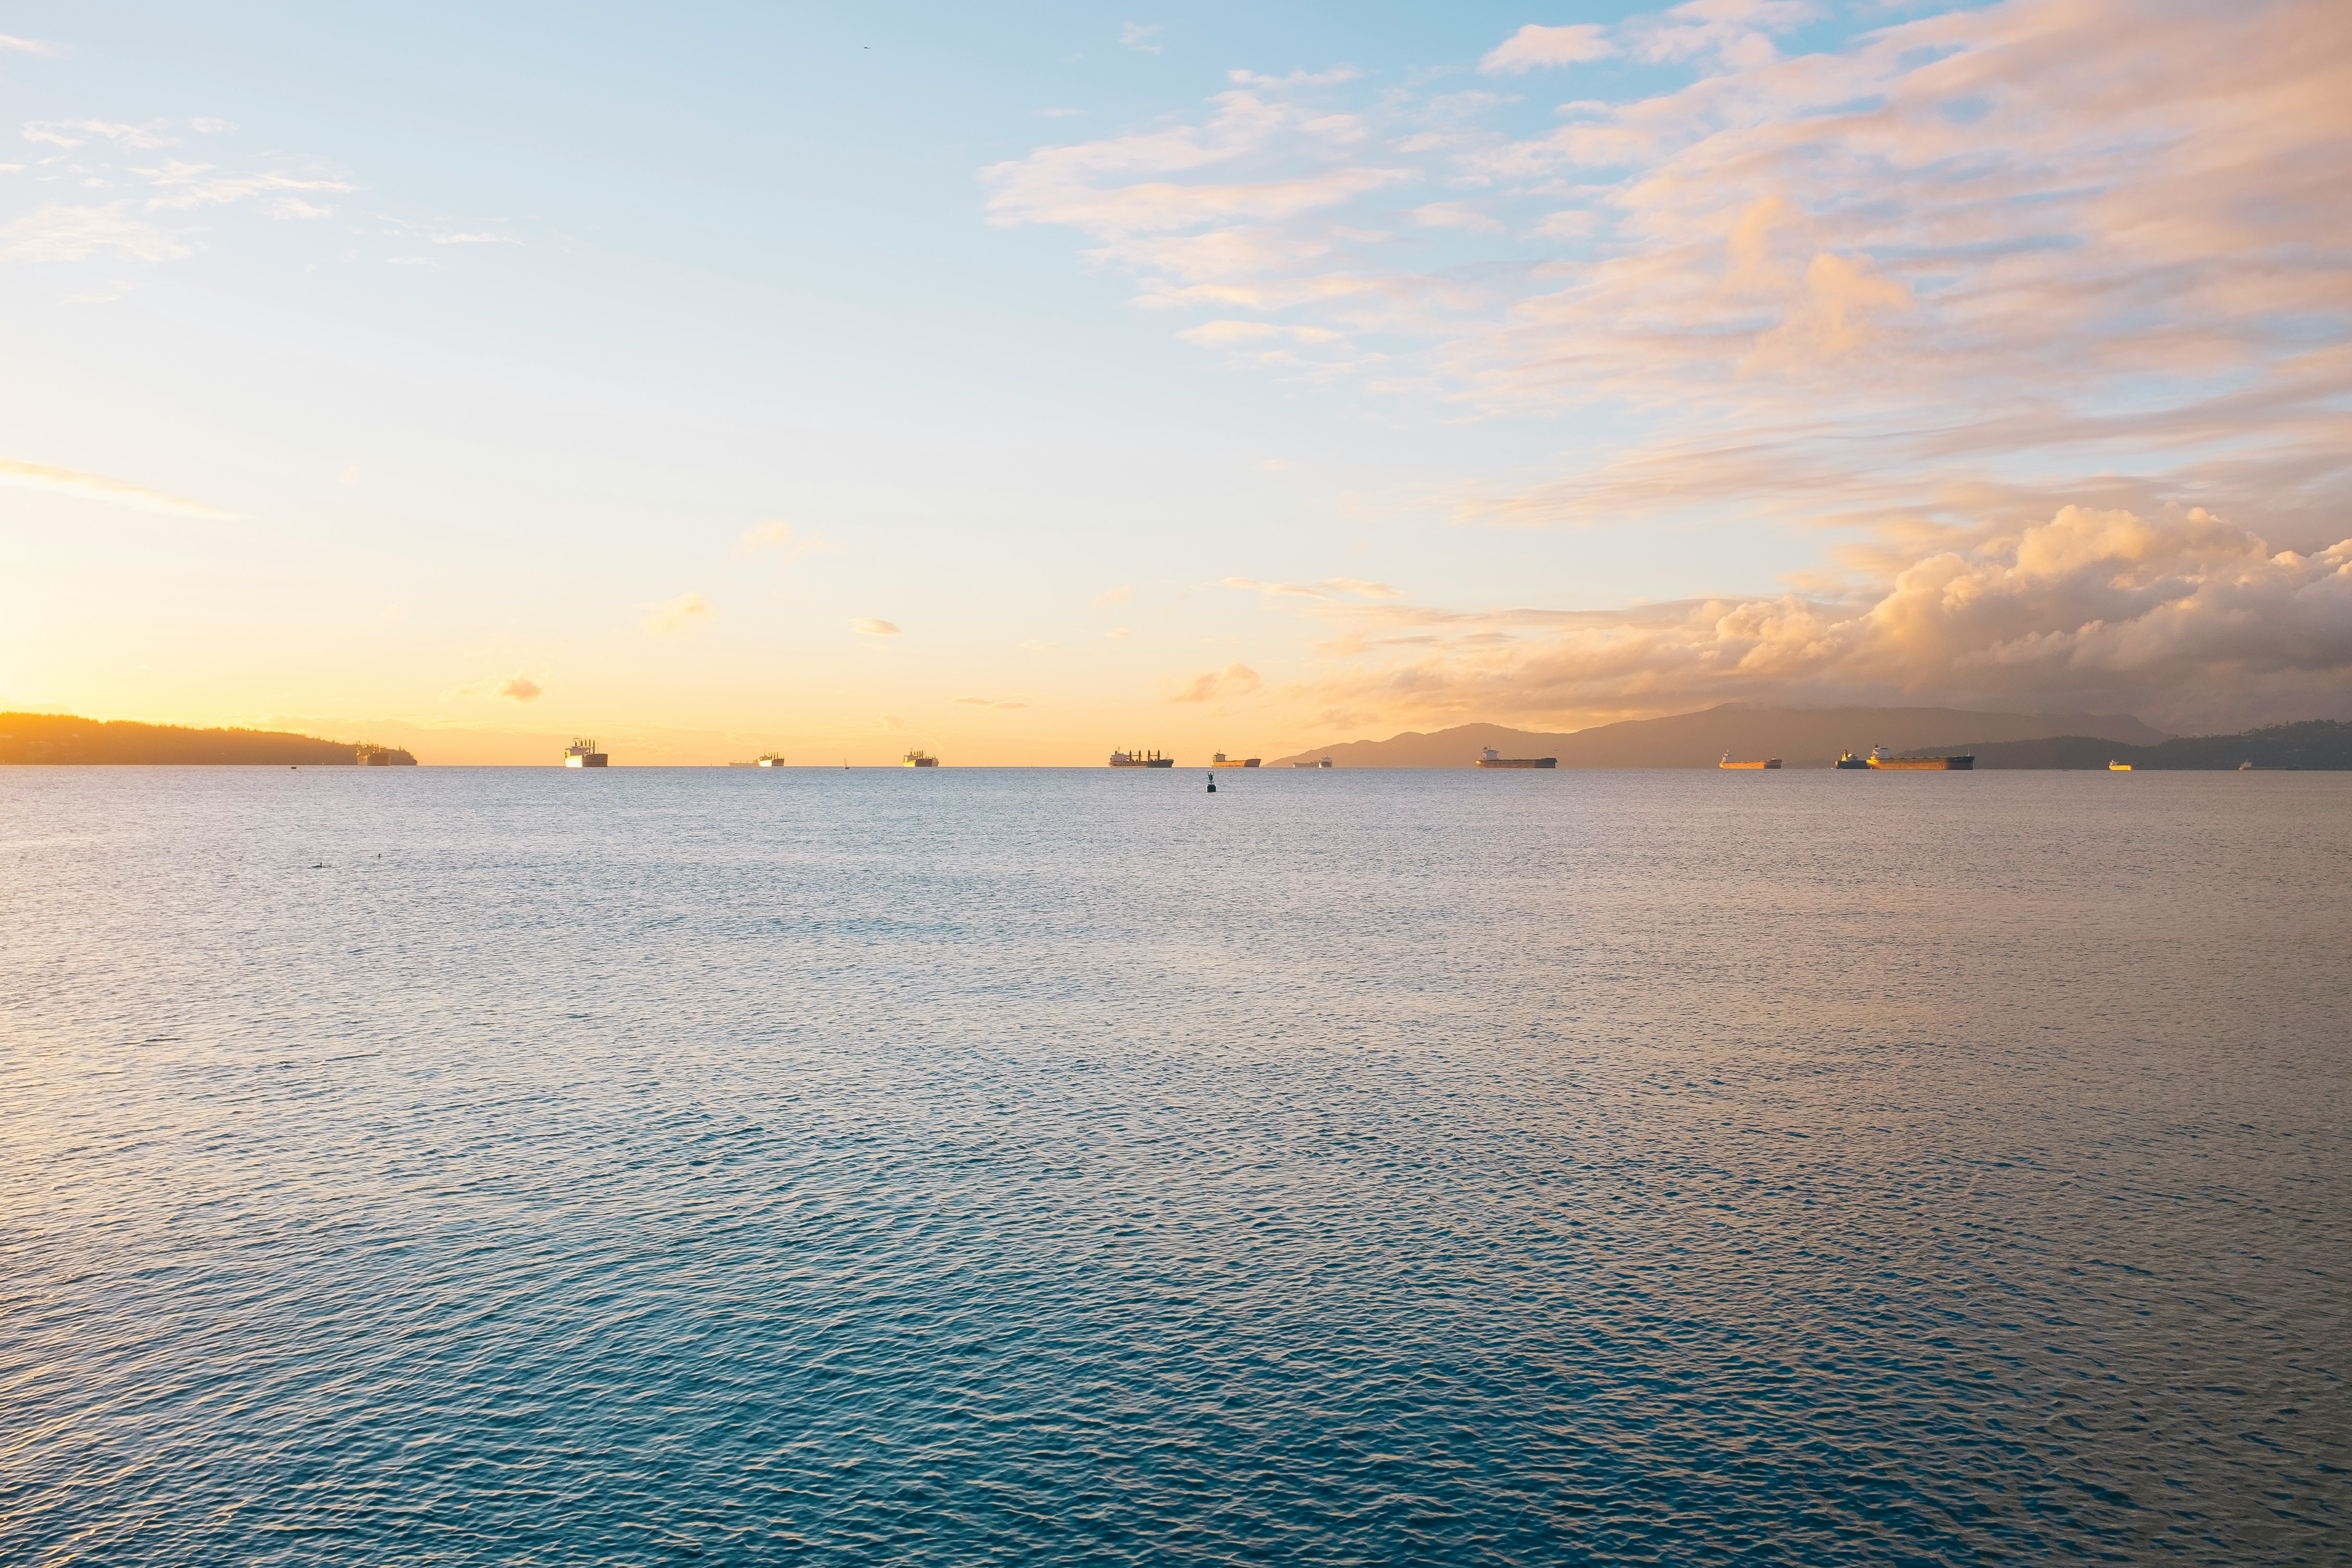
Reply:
x=2186, y=620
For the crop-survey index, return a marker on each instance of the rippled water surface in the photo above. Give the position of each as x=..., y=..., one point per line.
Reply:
x=458, y=1166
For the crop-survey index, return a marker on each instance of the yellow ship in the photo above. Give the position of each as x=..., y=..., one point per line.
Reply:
x=919, y=758
x=1767, y=763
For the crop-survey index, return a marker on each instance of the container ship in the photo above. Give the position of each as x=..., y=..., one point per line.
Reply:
x=582, y=753
x=1887, y=762
x=1140, y=760
x=1767, y=763
x=919, y=758
x=1222, y=761
x=1490, y=758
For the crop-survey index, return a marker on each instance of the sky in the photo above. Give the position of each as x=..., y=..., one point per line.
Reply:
x=839, y=380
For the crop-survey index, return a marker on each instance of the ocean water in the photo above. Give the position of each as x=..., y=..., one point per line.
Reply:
x=472, y=1166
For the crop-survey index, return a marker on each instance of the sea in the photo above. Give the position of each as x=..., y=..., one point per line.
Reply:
x=456, y=1166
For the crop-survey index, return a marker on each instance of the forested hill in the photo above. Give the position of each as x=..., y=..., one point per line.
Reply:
x=2315, y=745
x=60, y=739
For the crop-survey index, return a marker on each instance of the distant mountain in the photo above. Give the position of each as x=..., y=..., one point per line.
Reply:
x=2317, y=745
x=1801, y=737
x=62, y=740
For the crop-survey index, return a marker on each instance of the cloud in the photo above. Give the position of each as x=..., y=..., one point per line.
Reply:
x=1454, y=215
x=13, y=45
x=1534, y=46
x=987, y=702
x=683, y=613
x=2027, y=248
x=70, y=234
x=1233, y=680
x=75, y=132
x=889, y=722
x=1329, y=588
x=520, y=688
x=1141, y=36
x=874, y=629
x=2184, y=619
x=114, y=492
x=1119, y=596
x=184, y=186
x=785, y=538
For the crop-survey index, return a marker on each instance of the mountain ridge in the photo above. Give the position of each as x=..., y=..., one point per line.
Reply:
x=1801, y=737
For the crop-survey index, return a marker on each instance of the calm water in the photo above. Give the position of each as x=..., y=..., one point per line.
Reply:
x=457, y=1166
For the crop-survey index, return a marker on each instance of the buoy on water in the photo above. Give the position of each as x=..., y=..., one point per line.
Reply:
x=1213, y=783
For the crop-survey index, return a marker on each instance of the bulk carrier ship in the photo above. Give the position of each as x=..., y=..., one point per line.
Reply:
x=1885, y=761
x=1140, y=760
x=1491, y=758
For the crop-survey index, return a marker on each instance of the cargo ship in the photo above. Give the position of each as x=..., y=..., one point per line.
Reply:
x=2118, y=767
x=1140, y=760
x=1222, y=761
x=1887, y=762
x=1490, y=758
x=764, y=760
x=1848, y=760
x=1767, y=763
x=582, y=753
x=1324, y=763
x=919, y=758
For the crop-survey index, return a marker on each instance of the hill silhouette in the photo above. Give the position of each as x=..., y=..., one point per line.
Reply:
x=64, y=740
x=1801, y=737
x=2316, y=745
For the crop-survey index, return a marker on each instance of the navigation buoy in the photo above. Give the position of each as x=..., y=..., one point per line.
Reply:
x=1213, y=783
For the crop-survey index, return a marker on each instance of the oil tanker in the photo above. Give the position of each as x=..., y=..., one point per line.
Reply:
x=1885, y=761
x=1140, y=760
x=1222, y=761
x=1766, y=763
x=1490, y=758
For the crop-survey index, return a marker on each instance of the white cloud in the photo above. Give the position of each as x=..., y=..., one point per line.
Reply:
x=75, y=132
x=786, y=539
x=1533, y=47
x=1141, y=36
x=189, y=185
x=874, y=629
x=2010, y=247
x=987, y=702
x=14, y=45
x=1218, y=685
x=1122, y=594
x=114, y=492
x=521, y=688
x=70, y=234
x=1454, y=215
x=682, y=614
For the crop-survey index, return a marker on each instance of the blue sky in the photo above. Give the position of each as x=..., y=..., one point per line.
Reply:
x=639, y=357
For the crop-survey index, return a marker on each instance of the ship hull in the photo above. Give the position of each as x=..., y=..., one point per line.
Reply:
x=922, y=763
x=1251, y=763
x=1773, y=763
x=594, y=760
x=1923, y=765
x=1519, y=763
x=1149, y=763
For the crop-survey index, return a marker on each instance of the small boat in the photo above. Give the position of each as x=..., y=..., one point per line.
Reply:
x=582, y=753
x=1768, y=762
x=1324, y=763
x=2115, y=767
x=1222, y=761
x=1140, y=760
x=1887, y=762
x=919, y=758
x=1490, y=758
